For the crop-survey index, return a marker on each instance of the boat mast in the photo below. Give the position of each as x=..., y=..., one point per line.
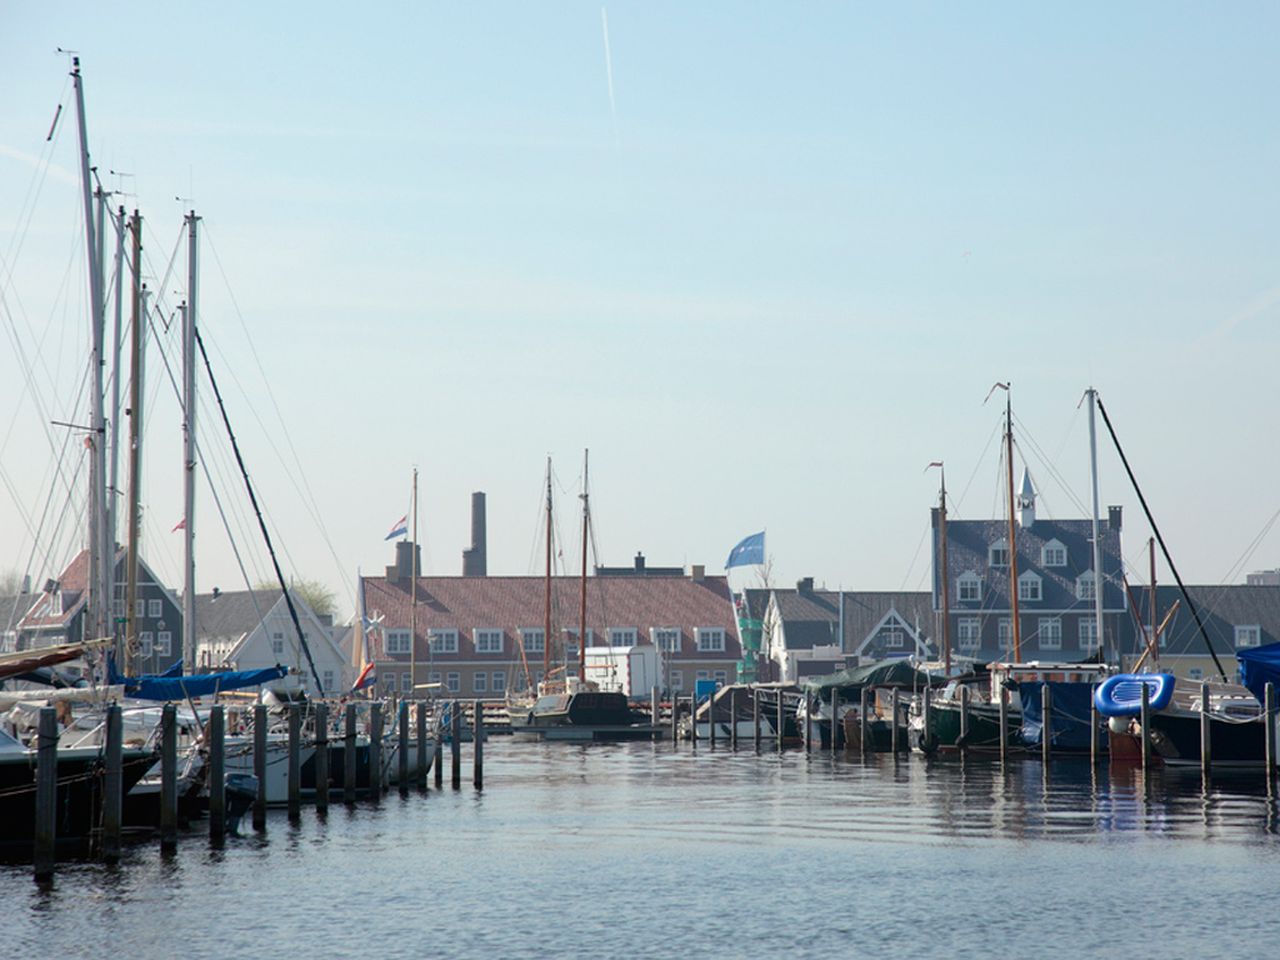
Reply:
x=1155, y=640
x=946, y=582
x=582, y=620
x=189, y=452
x=1097, y=539
x=135, y=448
x=1013, y=543
x=113, y=491
x=99, y=603
x=413, y=593
x=546, y=636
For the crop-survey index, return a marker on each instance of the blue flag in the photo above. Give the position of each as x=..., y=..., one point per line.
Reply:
x=750, y=550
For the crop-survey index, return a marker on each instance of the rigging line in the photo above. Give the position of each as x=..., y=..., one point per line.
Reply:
x=293, y=613
x=1159, y=539
x=915, y=557
x=299, y=472
x=973, y=476
x=35, y=187
x=1050, y=467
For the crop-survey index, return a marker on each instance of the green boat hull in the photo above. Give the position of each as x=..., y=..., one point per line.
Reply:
x=943, y=732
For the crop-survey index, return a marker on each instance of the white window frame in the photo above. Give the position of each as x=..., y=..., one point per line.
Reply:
x=1049, y=633
x=145, y=638
x=623, y=636
x=397, y=641
x=488, y=640
x=433, y=676
x=533, y=639
x=1004, y=631
x=139, y=608
x=968, y=633
x=1087, y=634
x=155, y=609
x=1053, y=554
x=480, y=682
x=1086, y=585
x=677, y=680
x=1030, y=588
x=164, y=642
x=453, y=681
x=720, y=676
x=893, y=638
x=711, y=639
x=499, y=684
x=969, y=587
x=1248, y=635
x=666, y=639
x=996, y=551
x=329, y=681
x=406, y=682
x=443, y=641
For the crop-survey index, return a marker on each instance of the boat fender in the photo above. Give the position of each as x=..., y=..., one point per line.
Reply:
x=1118, y=724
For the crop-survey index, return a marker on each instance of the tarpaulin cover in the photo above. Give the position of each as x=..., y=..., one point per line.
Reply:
x=1258, y=667
x=883, y=673
x=1069, y=714
x=172, y=685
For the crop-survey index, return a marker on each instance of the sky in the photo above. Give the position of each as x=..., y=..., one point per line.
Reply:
x=764, y=260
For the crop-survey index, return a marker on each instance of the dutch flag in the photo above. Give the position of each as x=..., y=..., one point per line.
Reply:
x=400, y=529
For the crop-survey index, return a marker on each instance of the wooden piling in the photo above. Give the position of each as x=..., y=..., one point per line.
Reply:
x=349, y=756
x=438, y=763
x=1046, y=721
x=216, y=730
x=112, y=786
x=864, y=721
x=46, y=825
x=755, y=717
x=260, y=766
x=964, y=719
x=1206, y=749
x=1269, y=708
x=322, y=757
x=420, y=712
x=169, y=777
x=375, y=750
x=809, y=701
x=733, y=718
x=893, y=720
x=455, y=746
x=1093, y=726
x=295, y=761
x=675, y=720
x=1004, y=723
x=1145, y=720
x=402, y=728
x=782, y=721
x=655, y=708
x=477, y=747
x=711, y=718
x=693, y=720
x=835, y=720
x=926, y=720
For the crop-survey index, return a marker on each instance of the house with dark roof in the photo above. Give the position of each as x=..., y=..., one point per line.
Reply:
x=252, y=630
x=478, y=637
x=1055, y=585
x=58, y=613
x=1234, y=617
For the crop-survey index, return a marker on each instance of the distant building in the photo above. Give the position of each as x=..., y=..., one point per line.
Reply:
x=640, y=569
x=1234, y=617
x=478, y=637
x=1263, y=578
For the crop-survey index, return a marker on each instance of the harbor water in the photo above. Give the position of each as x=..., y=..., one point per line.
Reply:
x=650, y=850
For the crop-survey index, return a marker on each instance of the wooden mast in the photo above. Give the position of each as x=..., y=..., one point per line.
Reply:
x=582, y=609
x=946, y=582
x=135, y=450
x=546, y=623
x=413, y=594
x=1013, y=542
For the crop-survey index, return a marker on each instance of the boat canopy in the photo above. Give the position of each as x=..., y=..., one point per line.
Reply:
x=172, y=685
x=882, y=673
x=1069, y=717
x=1258, y=667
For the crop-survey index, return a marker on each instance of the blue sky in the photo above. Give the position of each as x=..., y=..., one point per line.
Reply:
x=766, y=289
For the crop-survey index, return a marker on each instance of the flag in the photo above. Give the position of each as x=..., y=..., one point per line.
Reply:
x=367, y=678
x=400, y=529
x=180, y=525
x=750, y=550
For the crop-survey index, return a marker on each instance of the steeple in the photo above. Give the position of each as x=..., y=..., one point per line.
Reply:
x=1026, y=501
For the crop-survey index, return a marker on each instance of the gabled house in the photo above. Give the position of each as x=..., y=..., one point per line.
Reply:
x=1055, y=585
x=479, y=636
x=251, y=630
x=1234, y=617
x=57, y=614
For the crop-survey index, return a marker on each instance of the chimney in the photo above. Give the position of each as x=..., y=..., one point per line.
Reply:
x=805, y=585
x=1113, y=518
x=697, y=571
x=406, y=552
x=475, y=559
x=639, y=562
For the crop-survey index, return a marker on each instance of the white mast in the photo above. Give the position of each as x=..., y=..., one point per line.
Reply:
x=189, y=453
x=1097, y=540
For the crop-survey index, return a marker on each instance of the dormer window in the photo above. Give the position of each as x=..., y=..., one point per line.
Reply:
x=1053, y=554
x=1086, y=586
x=969, y=587
x=998, y=554
x=1029, y=587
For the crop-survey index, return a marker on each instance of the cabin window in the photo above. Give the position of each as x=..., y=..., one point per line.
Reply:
x=1005, y=631
x=1053, y=554
x=1086, y=586
x=1248, y=636
x=1050, y=633
x=998, y=554
x=155, y=609
x=453, y=682
x=969, y=633
x=164, y=642
x=532, y=639
x=710, y=640
x=499, y=681
x=144, y=644
x=969, y=587
x=666, y=639
x=397, y=642
x=480, y=682
x=444, y=641
x=488, y=641
x=622, y=636
x=1029, y=587
x=1087, y=632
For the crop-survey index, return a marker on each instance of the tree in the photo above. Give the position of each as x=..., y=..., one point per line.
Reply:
x=319, y=597
x=10, y=583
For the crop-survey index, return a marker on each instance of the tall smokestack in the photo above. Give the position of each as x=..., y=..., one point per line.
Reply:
x=475, y=560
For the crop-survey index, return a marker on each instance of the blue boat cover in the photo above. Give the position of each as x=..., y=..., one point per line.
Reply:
x=1069, y=714
x=1258, y=667
x=1121, y=695
x=172, y=685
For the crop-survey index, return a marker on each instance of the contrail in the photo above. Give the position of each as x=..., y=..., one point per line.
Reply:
x=608, y=71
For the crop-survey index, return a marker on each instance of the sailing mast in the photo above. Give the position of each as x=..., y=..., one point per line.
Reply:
x=1097, y=540
x=1155, y=639
x=1013, y=544
x=546, y=636
x=189, y=453
x=946, y=583
x=413, y=594
x=135, y=448
x=586, y=527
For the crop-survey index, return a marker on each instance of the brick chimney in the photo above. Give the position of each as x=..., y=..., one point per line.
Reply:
x=475, y=560
x=1113, y=518
x=402, y=571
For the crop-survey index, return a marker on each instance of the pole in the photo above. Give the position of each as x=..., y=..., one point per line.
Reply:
x=477, y=748
x=733, y=718
x=864, y=722
x=1093, y=726
x=586, y=527
x=893, y=714
x=216, y=730
x=1269, y=705
x=755, y=717
x=1046, y=721
x=1146, y=728
x=413, y=596
x=402, y=768
x=117, y=337
x=963, y=741
x=1013, y=543
x=1206, y=749
x=189, y=406
x=349, y=757
x=424, y=760
x=169, y=778
x=375, y=751
x=135, y=452
x=113, y=794
x=946, y=580
x=782, y=721
x=46, y=826
x=455, y=746
x=809, y=704
x=295, y=761
x=1004, y=723
x=546, y=636
x=322, y=757
x=1098, y=579
x=835, y=720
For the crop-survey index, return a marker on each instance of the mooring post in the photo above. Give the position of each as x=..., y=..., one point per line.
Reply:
x=169, y=777
x=755, y=717
x=1004, y=723
x=46, y=825
x=1093, y=726
x=477, y=748
x=675, y=720
x=810, y=701
x=963, y=740
x=402, y=728
x=260, y=766
x=349, y=756
x=1145, y=719
x=864, y=722
x=835, y=720
x=693, y=720
x=455, y=746
x=733, y=717
x=420, y=712
x=1269, y=708
x=437, y=763
x=1046, y=721
x=926, y=720
x=216, y=730
x=782, y=721
x=322, y=757
x=711, y=718
x=295, y=761
x=1206, y=748
x=893, y=713
x=113, y=782
x=375, y=750
x=655, y=705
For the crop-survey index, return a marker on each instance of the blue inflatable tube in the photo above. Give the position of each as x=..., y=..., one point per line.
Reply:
x=1121, y=695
